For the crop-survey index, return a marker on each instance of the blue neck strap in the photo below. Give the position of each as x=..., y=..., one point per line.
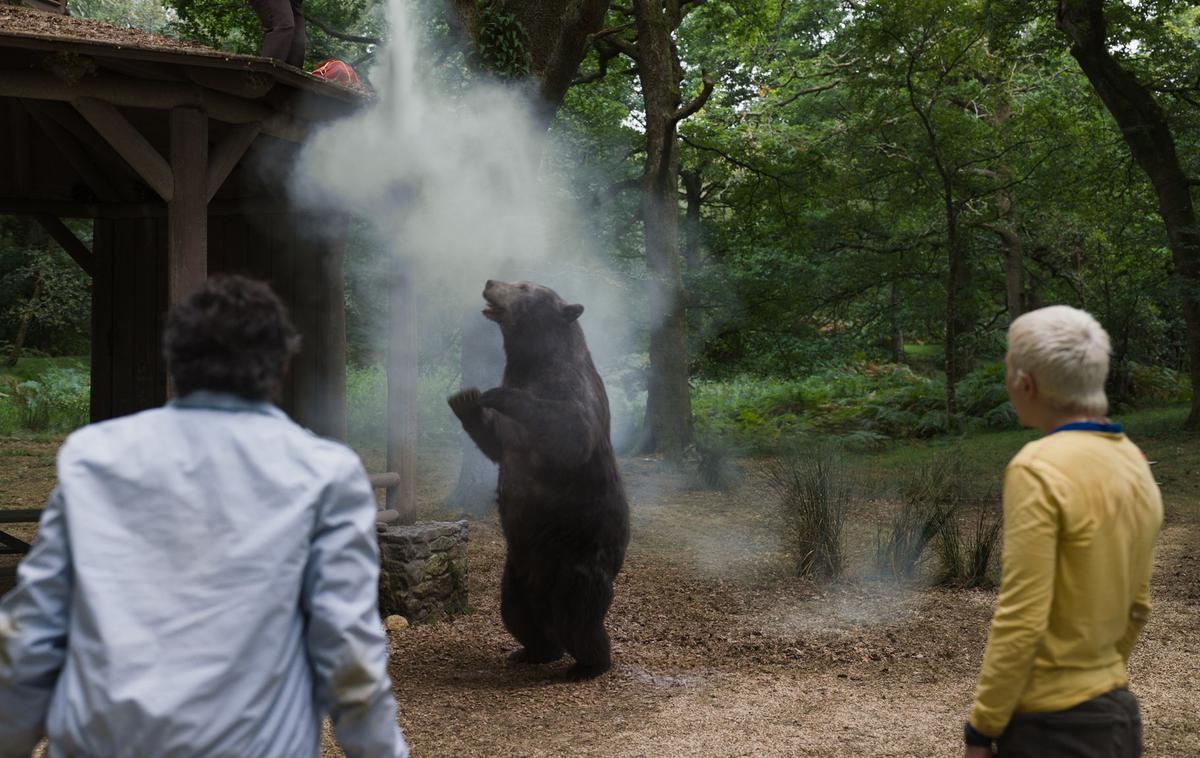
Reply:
x=1090, y=426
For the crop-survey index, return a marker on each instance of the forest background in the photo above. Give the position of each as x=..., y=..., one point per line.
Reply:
x=836, y=207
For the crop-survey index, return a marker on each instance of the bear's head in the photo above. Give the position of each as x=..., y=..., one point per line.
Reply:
x=529, y=311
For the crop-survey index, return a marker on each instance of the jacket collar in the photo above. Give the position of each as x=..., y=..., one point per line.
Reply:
x=224, y=401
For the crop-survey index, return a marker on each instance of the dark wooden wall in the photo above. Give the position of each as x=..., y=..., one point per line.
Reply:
x=129, y=304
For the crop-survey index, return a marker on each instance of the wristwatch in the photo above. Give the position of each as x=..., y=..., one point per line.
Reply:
x=975, y=738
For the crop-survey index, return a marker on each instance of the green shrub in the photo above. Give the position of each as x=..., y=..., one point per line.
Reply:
x=1157, y=384
x=68, y=392
x=869, y=404
x=31, y=404
x=366, y=406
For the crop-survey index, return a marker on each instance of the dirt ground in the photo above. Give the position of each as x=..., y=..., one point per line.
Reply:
x=721, y=652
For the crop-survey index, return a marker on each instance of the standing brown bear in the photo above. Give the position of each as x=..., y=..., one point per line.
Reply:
x=562, y=504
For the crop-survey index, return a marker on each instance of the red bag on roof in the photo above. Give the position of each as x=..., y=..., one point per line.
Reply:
x=336, y=71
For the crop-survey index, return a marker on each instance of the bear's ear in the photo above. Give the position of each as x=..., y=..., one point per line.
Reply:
x=572, y=312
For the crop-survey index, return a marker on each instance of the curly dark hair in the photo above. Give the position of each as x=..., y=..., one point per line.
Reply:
x=233, y=335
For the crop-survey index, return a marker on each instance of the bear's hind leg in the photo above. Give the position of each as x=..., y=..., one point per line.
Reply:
x=522, y=622
x=590, y=648
x=581, y=627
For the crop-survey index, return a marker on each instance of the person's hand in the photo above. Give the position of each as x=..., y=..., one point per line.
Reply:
x=978, y=752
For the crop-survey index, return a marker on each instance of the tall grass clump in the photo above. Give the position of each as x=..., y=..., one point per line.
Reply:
x=969, y=559
x=930, y=496
x=814, y=491
x=716, y=465
x=937, y=497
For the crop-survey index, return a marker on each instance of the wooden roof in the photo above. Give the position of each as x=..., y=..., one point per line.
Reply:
x=28, y=29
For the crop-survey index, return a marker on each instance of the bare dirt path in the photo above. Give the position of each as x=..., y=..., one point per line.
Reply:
x=721, y=652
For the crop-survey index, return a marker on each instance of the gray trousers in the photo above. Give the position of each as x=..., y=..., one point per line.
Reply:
x=283, y=29
x=1109, y=726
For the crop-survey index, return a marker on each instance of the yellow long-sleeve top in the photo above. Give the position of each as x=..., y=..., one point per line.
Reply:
x=1081, y=514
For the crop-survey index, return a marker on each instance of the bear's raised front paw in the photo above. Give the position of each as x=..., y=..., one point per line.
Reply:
x=525, y=655
x=497, y=398
x=465, y=404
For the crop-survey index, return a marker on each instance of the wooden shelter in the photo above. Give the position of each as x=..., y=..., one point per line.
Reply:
x=177, y=155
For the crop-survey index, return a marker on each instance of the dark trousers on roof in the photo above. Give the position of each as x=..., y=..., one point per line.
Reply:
x=283, y=27
x=1108, y=726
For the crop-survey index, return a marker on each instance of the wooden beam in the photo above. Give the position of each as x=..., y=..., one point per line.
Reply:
x=244, y=84
x=121, y=91
x=130, y=143
x=20, y=206
x=96, y=180
x=386, y=480
x=226, y=154
x=20, y=515
x=402, y=392
x=120, y=175
x=187, y=211
x=68, y=241
x=141, y=69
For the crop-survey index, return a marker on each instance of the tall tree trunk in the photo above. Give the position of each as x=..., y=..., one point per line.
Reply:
x=668, y=402
x=957, y=282
x=23, y=330
x=897, y=336
x=1147, y=133
x=1014, y=274
x=693, y=187
x=558, y=35
x=1006, y=228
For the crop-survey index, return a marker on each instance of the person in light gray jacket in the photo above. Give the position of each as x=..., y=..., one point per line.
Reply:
x=204, y=578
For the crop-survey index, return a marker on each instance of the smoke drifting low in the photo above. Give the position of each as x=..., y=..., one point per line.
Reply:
x=452, y=184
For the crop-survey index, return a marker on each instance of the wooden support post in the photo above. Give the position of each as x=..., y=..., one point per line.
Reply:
x=187, y=211
x=402, y=391
x=130, y=143
x=18, y=121
x=104, y=243
x=227, y=153
x=68, y=241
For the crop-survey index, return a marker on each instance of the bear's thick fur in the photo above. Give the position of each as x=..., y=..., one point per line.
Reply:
x=562, y=505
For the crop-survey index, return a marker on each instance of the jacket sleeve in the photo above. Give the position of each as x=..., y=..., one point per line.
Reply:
x=346, y=644
x=1026, y=591
x=33, y=633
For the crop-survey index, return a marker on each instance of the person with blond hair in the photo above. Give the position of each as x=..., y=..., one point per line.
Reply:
x=1081, y=514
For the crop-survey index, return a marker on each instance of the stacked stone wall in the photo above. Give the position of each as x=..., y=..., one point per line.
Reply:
x=423, y=571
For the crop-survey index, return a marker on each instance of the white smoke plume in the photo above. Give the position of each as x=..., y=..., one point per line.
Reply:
x=452, y=181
